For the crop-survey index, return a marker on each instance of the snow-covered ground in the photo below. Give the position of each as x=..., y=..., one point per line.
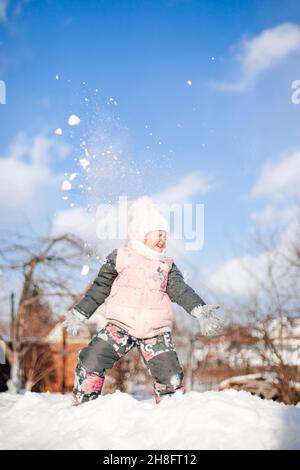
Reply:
x=209, y=420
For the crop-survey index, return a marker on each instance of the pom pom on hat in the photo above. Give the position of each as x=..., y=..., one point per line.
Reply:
x=144, y=217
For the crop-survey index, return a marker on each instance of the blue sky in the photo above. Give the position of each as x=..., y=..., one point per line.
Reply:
x=224, y=129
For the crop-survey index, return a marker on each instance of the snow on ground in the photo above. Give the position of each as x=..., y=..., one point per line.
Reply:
x=211, y=420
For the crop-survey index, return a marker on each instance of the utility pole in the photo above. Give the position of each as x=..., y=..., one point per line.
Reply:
x=64, y=362
x=190, y=363
x=13, y=384
x=12, y=315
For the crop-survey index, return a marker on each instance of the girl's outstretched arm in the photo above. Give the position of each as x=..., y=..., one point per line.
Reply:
x=180, y=292
x=100, y=289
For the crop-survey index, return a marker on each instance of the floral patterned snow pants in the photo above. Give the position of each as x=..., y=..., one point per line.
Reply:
x=113, y=342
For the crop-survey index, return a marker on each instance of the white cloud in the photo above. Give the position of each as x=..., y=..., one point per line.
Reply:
x=91, y=227
x=15, y=10
x=187, y=187
x=279, y=180
x=275, y=216
x=234, y=276
x=242, y=275
x=3, y=10
x=249, y=275
x=262, y=53
x=290, y=234
x=25, y=173
x=75, y=220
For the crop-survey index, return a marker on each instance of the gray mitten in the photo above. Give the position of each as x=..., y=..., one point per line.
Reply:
x=210, y=323
x=73, y=321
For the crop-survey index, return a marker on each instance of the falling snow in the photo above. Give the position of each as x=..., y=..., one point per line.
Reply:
x=66, y=186
x=85, y=270
x=73, y=120
x=84, y=163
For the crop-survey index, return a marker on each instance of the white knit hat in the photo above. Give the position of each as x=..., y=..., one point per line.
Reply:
x=144, y=217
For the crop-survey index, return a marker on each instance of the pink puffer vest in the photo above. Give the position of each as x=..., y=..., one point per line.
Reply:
x=138, y=300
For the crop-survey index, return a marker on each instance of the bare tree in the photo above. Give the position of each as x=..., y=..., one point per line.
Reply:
x=45, y=269
x=273, y=308
x=37, y=364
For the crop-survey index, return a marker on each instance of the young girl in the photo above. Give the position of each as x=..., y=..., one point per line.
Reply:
x=137, y=282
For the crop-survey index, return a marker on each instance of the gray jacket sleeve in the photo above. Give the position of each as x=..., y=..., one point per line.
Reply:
x=100, y=289
x=180, y=292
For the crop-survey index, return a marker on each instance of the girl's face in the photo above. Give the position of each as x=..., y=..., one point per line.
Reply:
x=156, y=240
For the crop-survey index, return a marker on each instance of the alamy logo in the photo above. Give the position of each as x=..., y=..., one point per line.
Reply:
x=2, y=92
x=186, y=221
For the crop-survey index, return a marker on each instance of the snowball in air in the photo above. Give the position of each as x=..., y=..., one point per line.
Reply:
x=58, y=131
x=84, y=163
x=189, y=82
x=66, y=186
x=73, y=120
x=72, y=176
x=85, y=270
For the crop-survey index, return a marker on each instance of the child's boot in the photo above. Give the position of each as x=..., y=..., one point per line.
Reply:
x=88, y=385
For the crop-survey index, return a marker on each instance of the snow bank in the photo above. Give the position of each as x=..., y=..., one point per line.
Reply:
x=209, y=420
